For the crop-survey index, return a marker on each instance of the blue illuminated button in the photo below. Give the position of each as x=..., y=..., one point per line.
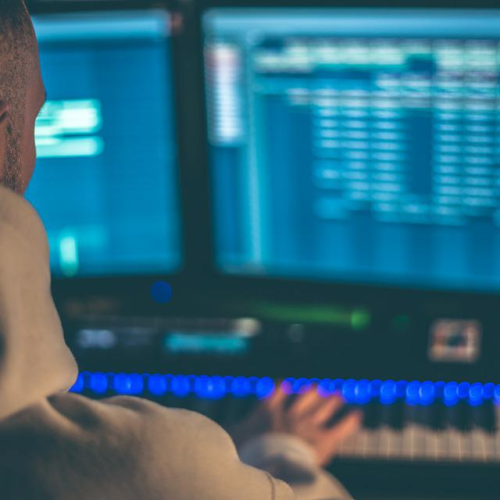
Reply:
x=128, y=384
x=161, y=292
x=301, y=386
x=476, y=397
x=241, y=387
x=427, y=393
x=388, y=392
x=265, y=387
x=157, y=385
x=362, y=392
x=401, y=388
x=98, y=383
x=375, y=386
x=181, y=386
x=413, y=393
x=349, y=391
x=463, y=390
x=488, y=391
x=79, y=384
x=210, y=387
x=324, y=388
x=451, y=397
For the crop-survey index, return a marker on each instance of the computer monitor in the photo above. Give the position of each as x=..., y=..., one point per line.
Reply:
x=106, y=182
x=356, y=145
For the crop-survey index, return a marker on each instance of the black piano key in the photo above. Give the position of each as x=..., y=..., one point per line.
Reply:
x=372, y=415
x=459, y=416
x=393, y=415
x=438, y=415
x=484, y=416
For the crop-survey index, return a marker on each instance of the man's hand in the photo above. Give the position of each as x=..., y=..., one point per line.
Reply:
x=307, y=417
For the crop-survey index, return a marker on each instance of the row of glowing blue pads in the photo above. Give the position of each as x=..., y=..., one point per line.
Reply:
x=354, y=391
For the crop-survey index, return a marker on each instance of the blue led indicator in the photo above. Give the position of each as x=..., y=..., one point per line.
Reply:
x=157, y=385
x=349, y=391
x=98, y=383
x=401, y=388
x=497, y=393
x=463, y=390
x=488, y=391
x=241, y=387
x=181, y=386
x=362, y=392
x=427, y=393
x=413, y=393
x=388, y=392
x=301, y=385
x=375, y=386
x=451, y=394
x=439, y=389
x=265, y=387
x=161, y=292
x=79, y=384
x=353, y=391
x=324, y=387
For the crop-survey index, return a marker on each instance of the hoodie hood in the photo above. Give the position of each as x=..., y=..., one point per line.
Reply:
x=35, y=362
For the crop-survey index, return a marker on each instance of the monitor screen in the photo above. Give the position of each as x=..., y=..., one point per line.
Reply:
x=358, y=146
x=106, y=182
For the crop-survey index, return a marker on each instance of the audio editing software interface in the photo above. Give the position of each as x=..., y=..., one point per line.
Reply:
x=106, y=182
x=356, y=145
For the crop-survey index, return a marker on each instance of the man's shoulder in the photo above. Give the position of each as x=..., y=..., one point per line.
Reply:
x=152, y=425
x=126, y=448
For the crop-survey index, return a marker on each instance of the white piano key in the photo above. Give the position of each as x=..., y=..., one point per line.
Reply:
x=478, y=439
x=362, y=444
x=406, y=442
x=372, y=444
x=384, y=442
x=490, y=448
x=348, y=446
x=441, y=445
x=454, y=445
x=431, y=445
x=395, y=444
x=466, y=445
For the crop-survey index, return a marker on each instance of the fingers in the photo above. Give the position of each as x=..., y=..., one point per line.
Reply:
x=277, y=399
x=345, y=427
x=306, y=403
x=328, y=408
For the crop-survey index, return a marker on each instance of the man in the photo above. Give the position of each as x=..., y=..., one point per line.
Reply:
x=60, y=446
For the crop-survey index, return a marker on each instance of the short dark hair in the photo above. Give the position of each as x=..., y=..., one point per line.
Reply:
x=13, y=18
x=17, y=56
x=17, y=40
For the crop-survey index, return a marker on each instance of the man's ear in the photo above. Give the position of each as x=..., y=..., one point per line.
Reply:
x=4, y=118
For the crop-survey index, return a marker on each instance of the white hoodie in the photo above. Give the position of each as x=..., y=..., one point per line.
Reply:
x=60, y=446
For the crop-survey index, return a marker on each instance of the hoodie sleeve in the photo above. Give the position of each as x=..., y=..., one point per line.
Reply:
x=34, y=359
x=293, y=461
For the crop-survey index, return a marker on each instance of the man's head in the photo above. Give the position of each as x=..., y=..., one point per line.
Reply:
x=22, y=95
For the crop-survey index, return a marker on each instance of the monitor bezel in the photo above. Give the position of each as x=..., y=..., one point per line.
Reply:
x=436, y=302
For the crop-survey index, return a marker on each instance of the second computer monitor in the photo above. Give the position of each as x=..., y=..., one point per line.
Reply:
x=106, y=182
x=356, y=145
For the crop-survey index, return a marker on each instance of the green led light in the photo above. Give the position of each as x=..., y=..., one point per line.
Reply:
x=357, y=319
x=360, y=319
